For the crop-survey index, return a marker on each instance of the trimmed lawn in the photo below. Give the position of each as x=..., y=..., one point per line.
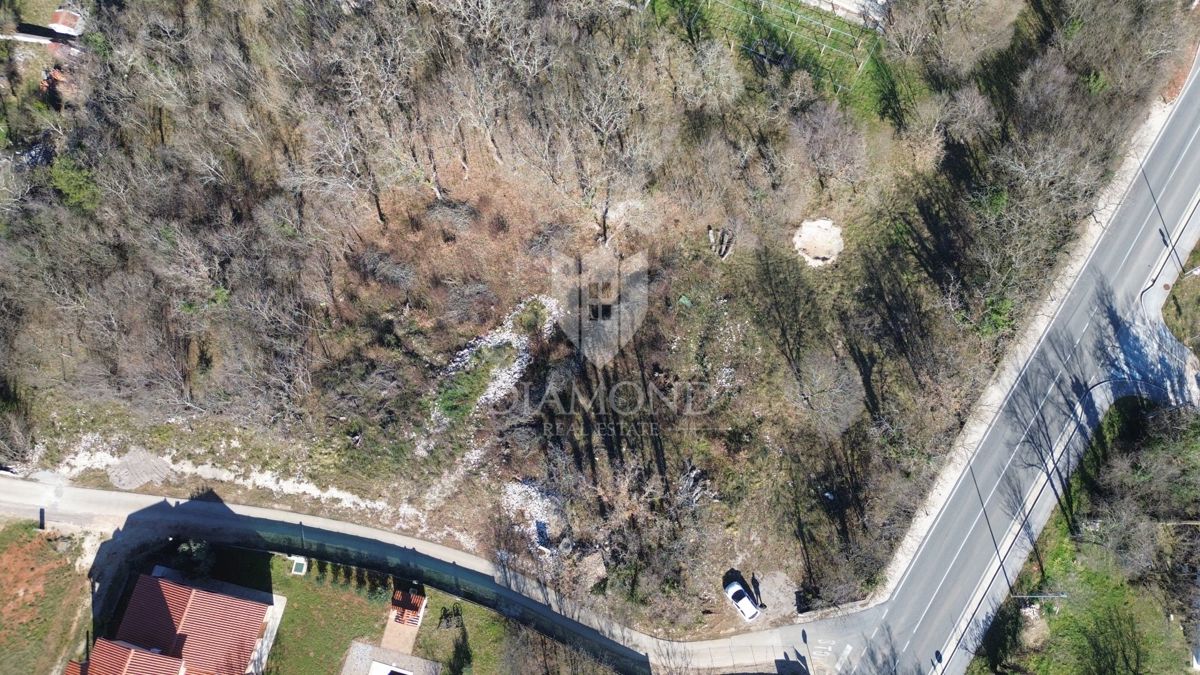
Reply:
x=43, y=600
x=327, y=608
x=477, y=647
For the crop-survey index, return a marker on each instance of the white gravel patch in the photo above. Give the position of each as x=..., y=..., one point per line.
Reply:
x=95, y=453
x=528, y=505
x=501, y=384
x=819, y=242
x=503, y=380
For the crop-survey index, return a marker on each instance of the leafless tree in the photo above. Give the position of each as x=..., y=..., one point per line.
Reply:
x=833, y=150
x=969, y=115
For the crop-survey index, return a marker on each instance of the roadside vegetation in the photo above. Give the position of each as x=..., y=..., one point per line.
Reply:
x=294, y=238
x=460, y=635
x=1182, y=309
x=43, y=599
x=1120, y=566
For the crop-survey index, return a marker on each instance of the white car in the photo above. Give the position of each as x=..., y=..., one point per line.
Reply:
x=741, y=599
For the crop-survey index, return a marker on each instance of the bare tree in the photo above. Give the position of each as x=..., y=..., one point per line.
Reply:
x=834, y=151
x=969, y=115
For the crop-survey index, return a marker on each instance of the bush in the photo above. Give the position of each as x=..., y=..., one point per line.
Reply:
x=75, y=184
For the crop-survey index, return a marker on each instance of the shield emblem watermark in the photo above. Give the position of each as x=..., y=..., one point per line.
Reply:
x=603, y=297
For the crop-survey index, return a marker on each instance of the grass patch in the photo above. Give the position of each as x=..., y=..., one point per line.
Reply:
x=531, y=318
x=327, y=608
x=458, y=396
x=76, y=184
x=844, y=58
x=787, y=33
x=476, y=646
x=43, y=600
x=1103, y=622
x=1182, y=310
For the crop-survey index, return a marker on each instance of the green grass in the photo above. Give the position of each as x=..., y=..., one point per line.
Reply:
x=43, y=600
x=475, y=648
x=76, y=184
x=1103, y=617
x=458, y=396
x=827, y=45
x=843, y=57
x=531, y=318
x=35, y=11
x=1182, y=309
x=333, y=605
x=327, y=608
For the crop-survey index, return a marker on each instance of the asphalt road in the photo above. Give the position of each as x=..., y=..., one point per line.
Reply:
x=1106, y=340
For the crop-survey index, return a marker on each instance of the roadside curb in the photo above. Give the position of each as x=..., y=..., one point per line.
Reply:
x=991, y=401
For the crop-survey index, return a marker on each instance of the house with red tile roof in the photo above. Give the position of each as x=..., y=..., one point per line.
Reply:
x=170, y=628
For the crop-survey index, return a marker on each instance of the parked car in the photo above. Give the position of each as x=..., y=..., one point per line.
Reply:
x=741, y=599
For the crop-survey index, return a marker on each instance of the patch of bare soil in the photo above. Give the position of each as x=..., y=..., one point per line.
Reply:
x=777, y=592
x=24, y=566
x=1034, y=629
x=819, y=242
x=1181, y=70
x=1175, y=84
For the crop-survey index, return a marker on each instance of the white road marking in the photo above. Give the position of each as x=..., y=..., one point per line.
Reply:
x=1154, y=197
x=1011, y=457
x=1021, y=374
x=841, y=662
x=1137, y=239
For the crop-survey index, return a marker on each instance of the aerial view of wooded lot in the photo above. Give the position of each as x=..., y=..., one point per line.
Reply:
x=301, y=252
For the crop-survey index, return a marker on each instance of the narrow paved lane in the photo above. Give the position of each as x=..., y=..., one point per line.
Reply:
x=1106, y=340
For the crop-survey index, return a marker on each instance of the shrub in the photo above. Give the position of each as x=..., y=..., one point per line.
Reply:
x=75, y=184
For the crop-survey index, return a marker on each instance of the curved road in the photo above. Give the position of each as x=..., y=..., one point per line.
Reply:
x=1106, y=339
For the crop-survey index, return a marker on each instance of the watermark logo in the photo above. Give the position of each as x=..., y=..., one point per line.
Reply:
x=603, y=300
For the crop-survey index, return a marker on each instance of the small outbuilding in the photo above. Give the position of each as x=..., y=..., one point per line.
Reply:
x=67, y=22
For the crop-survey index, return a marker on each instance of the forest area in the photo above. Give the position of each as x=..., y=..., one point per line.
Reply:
x=312, y=240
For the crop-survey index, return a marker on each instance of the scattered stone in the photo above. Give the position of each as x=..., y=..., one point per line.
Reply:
x=137, y=468
x=540, y=516
x=591, y=569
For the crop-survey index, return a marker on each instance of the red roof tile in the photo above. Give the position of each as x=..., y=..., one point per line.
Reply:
x=211, y=632
x=145, y=663
x=65, y=18
x=154, y=613
x=111, y=658
x=108, y=658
